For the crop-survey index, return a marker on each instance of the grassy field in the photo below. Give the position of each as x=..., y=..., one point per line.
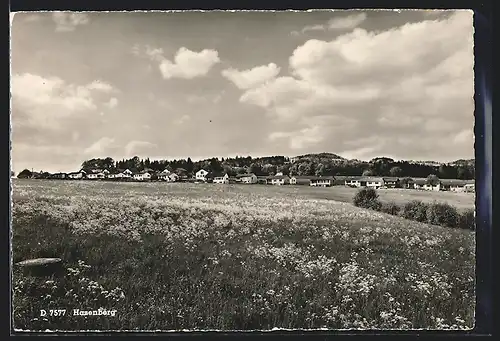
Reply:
x=180, y=256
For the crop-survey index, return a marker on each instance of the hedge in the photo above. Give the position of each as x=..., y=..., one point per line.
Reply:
x=436, y=213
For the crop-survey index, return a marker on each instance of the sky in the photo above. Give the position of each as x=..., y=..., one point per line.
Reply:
x=168, y=85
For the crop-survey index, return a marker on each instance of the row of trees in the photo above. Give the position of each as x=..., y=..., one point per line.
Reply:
x=312, y=164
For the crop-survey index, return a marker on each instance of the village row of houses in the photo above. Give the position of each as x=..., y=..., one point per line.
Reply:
x=203, y=176
x=351, y=181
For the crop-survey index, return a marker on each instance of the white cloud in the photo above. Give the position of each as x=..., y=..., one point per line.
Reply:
x=339, y=23
x=100, y=147
x=247, y=79
x=302, y=138
x=44, y=102
x=113, y=102
x=100, y=86
x=154, y=53
x=411, y=81
x=313, y=28
x=189, y=64
x=139, y=148
x=348, y=22
x=67, y=21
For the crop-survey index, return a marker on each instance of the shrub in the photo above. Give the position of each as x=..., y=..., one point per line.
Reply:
x=367, y=198
x=391, y=208
x=467, y=220
x=415, y=210
x=442, y=214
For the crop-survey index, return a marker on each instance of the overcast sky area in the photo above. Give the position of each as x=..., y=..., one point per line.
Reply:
x=360, y=84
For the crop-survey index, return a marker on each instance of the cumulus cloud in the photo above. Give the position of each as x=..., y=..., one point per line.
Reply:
x=67, y=21
x=413, y=81
x=187, y=64
x=100, y=147
x=139, y=148
x=247, y=79
x=45, y=101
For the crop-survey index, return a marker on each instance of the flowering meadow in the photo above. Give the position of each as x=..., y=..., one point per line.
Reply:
x=236, y=257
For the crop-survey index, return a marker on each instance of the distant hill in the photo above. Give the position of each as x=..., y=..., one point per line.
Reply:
x=463, y=162
x=330, y=156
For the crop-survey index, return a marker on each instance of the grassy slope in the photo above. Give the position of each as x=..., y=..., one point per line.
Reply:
x=234, y=258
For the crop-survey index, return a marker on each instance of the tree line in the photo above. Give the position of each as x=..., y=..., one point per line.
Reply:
x=310, y=165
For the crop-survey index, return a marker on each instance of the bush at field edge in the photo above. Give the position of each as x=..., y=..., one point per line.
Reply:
x=367, y=198
x=437, y=213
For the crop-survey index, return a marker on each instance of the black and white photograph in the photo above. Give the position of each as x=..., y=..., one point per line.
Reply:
x=242, y=170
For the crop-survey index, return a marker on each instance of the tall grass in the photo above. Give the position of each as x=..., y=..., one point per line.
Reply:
x=237, y=262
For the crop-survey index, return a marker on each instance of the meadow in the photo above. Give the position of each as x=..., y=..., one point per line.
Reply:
x=208, y=257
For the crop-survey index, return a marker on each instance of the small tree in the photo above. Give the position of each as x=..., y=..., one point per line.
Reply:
x=395, y=171
x=368, y=172
x=432, y=180
x=404, y=182
x=320, y=171
x=26, y=173
x=367, y=198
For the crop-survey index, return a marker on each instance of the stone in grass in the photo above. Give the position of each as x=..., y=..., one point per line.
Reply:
x=41, y=267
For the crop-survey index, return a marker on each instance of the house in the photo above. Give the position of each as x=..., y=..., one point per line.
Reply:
x=101, y=175
x=127, y=173
x=201, y=175
x=172, y=177
x=390, y=182
x=322, y=181
x=417, y=183
x=92, y=176
x=58, y=176
x=279, y=174
x=260, y=180
x=77, y=175
x=429, y=187
x=116, y=175
x=247, y=178
x=339, y=180
x=301, y=180
x=455, y=185
x=421, y=183
x=164, y=175
x=470, y=186
x=142, y=176
x=278, y=180
x=365, y=181
x=221, y=179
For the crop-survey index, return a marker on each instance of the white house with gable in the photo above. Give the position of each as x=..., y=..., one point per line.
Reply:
x=201, y=175
x=164, y=175
x=221, y=179
x=142, y=176
x=127, y=173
